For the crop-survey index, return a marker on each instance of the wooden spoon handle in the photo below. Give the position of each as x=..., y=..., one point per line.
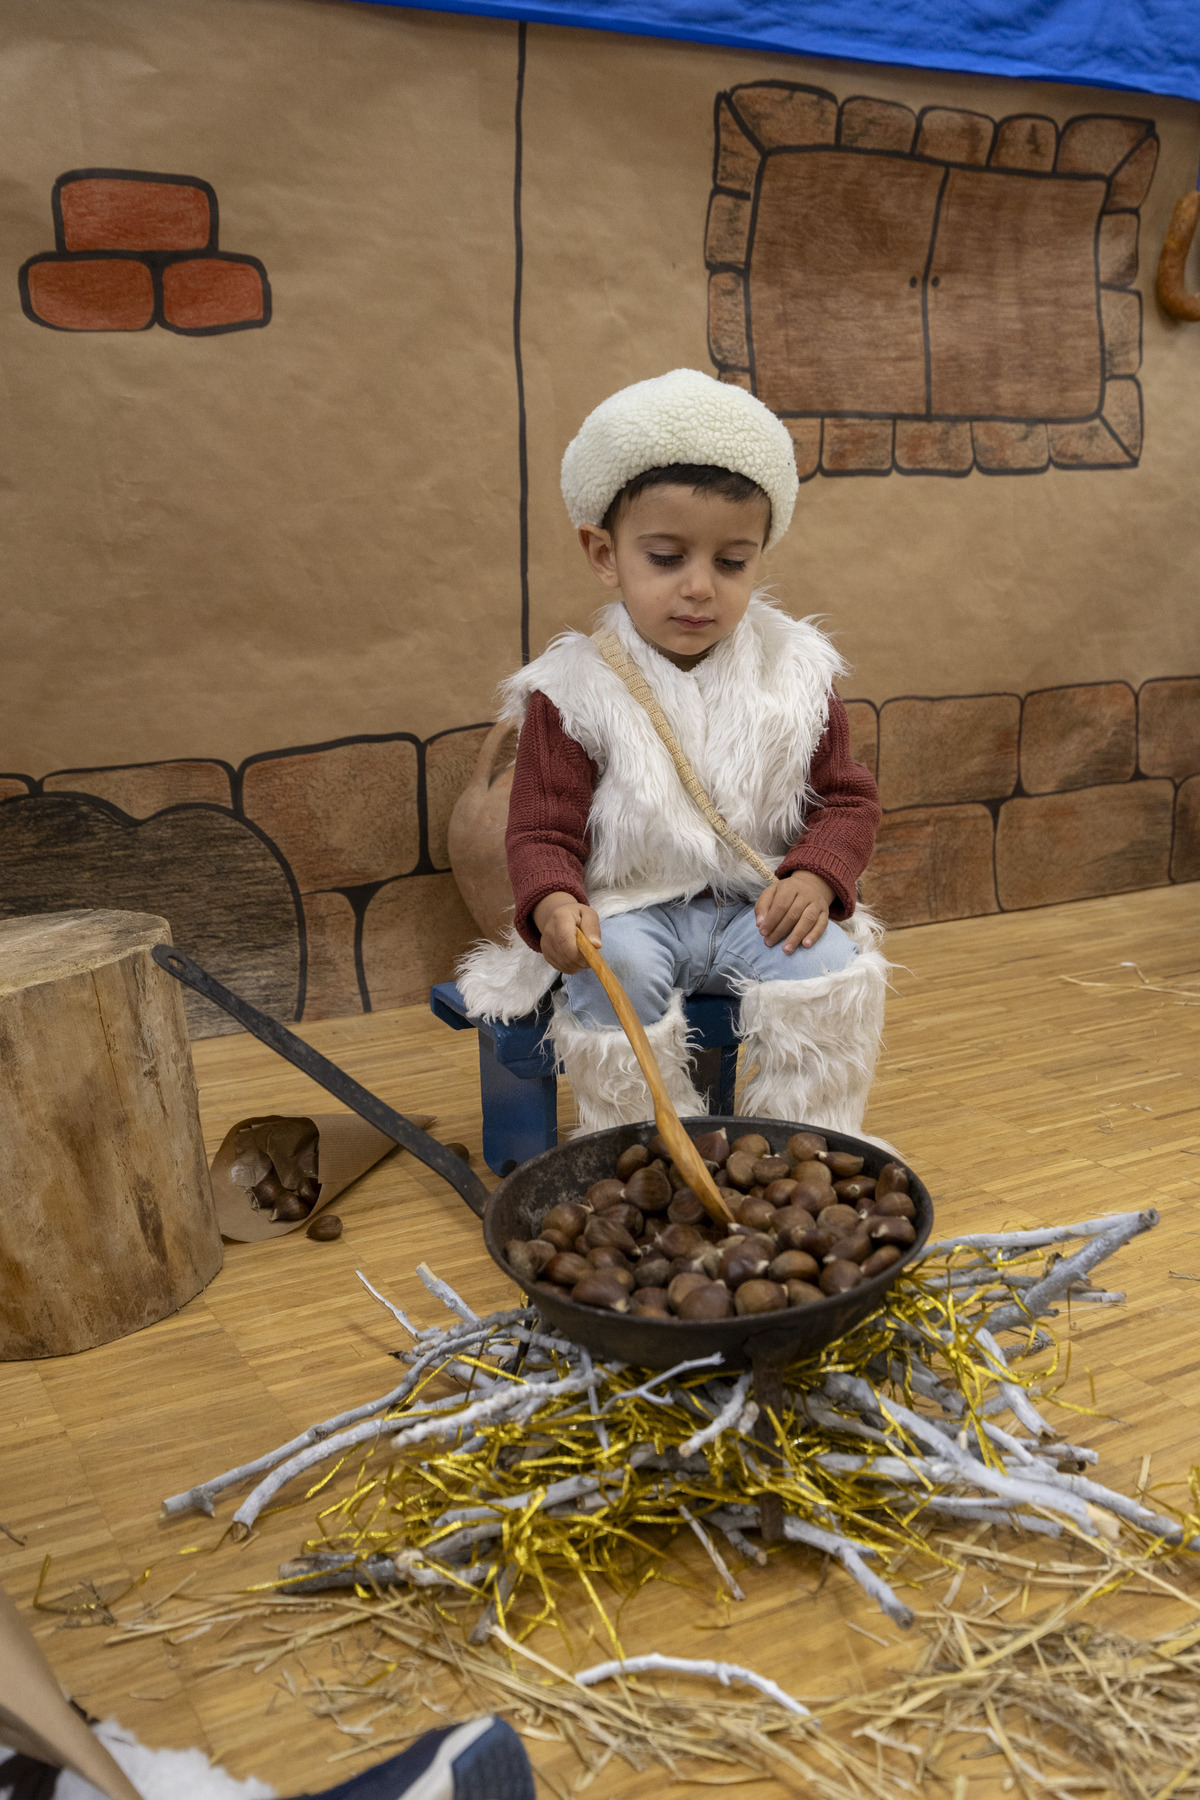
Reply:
x=686, y=1156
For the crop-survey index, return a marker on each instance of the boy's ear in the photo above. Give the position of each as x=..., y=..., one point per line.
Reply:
x=598, y=548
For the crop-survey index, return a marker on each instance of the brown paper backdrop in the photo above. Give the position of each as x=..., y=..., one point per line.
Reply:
x=261, y=584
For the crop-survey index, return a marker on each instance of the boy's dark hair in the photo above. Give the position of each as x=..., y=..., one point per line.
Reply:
x=702, y=478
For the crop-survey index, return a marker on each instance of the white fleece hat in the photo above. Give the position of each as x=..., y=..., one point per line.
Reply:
x=683, y=417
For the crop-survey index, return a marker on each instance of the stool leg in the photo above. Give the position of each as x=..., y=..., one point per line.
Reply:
x=520, y=1117
x=728, y=1081
x=706, y=1075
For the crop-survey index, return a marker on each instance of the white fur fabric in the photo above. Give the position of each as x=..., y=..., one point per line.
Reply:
x=683, y=417
x=161, y=1774
x=749, y=718
x=811, y=1046
x=605, y=1076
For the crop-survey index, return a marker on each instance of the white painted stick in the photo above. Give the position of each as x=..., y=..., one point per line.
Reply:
x=682, y=1665
x=728, y=1415
x=1027, y=1240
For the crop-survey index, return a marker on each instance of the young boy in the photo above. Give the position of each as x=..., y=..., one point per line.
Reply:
x=676, y=487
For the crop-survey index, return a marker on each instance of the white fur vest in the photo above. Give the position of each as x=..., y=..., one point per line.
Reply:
x=749, y=718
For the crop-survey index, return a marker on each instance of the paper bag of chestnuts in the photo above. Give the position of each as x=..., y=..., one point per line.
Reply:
x=807, y=1223
x=276, y=1173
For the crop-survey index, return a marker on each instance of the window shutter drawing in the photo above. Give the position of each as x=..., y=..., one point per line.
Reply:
x=929, y=294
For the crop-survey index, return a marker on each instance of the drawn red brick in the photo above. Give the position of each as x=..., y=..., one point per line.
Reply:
x=119, y=211
x=1185, y=856
x=1169, y=726
x=1077, y=737
x=932, y=862
x=1073, y=846
x=940, y=752
x=102, y=293
x=206, y=293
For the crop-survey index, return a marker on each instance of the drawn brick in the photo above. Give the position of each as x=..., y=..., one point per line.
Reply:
x=780, y=114
x=864, y=733
x=1089, y=446
x=449, y=764
x=331, y=990
x=341, y=815
x=1169, y=727
x=857, y=447
x=95, y=293
x=867, y=124
x=13, y=787
x=1004, y=447
x=1123, y=413
x=1121, y=317
x=123, y=211
x=943, y=751
x=1101, y=840
x=806, y=442
x=1185, y=857
x=1117, y=250
x=413, y=934
x=728, y=230
x=1077, y=737
x=1097, y=143
x=1026, y=141
x=954, y=136
x=143, y=789
x=933, y=447
x=727, y=320
x=1131, y=183
x=932, y=863
x=212, y=293
x=737, y=157
x=736, y=378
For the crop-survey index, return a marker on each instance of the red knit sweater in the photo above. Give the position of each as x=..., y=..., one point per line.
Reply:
x=547, y=837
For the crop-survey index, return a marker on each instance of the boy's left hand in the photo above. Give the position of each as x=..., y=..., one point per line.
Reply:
x=795, y=910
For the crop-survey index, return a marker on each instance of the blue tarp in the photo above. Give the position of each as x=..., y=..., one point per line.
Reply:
x=1152, y=46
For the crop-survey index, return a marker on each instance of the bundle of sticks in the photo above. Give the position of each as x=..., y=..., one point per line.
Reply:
x=551, y=1462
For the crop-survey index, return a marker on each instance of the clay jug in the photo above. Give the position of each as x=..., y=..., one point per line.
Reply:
x=475, y=836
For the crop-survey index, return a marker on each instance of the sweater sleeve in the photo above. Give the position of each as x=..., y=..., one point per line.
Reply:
x=839, y=836
x=547, y=839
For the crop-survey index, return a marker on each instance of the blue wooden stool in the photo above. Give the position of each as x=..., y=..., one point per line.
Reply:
x=518, y=1084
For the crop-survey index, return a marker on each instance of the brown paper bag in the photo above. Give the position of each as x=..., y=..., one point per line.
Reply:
x=335, y=1147
x=35, y=1719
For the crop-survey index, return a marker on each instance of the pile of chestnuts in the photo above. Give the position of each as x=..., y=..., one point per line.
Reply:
x=807, y=1223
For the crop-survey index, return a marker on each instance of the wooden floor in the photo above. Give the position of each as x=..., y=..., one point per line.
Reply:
x=1021, y=1097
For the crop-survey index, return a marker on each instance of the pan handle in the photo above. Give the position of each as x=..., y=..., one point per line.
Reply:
x=368, y=1106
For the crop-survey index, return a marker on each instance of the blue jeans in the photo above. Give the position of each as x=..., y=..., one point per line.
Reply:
x=700, y=946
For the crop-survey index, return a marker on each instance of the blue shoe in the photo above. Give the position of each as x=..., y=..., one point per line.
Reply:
x=481, y=1760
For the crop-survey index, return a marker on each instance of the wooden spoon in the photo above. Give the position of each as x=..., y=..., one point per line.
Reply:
x=688, y=1159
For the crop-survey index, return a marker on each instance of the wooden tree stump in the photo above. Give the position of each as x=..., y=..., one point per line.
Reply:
x=107, y=1220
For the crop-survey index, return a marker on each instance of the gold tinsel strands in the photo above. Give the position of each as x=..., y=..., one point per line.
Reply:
x=596, y=1495
x=507, y=1467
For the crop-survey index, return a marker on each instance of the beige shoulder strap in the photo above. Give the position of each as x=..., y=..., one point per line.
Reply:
x=621, y=663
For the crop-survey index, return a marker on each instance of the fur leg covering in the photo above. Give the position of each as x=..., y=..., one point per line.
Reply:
x=811, y=1045
x=605, y=1078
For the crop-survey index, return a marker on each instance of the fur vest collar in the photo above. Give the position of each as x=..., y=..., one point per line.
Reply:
x=749, y=719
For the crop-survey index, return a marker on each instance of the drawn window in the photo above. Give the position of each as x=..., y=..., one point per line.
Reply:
x=929, y=294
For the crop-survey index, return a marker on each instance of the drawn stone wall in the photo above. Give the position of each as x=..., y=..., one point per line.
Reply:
x=315, y=879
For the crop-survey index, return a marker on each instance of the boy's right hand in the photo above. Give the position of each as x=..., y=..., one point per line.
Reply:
x=558, y=917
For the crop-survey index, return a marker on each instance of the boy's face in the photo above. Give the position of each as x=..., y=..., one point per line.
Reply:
x=685, y=563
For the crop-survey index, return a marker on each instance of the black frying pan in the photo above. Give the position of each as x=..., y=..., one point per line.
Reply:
x=517, y=1207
